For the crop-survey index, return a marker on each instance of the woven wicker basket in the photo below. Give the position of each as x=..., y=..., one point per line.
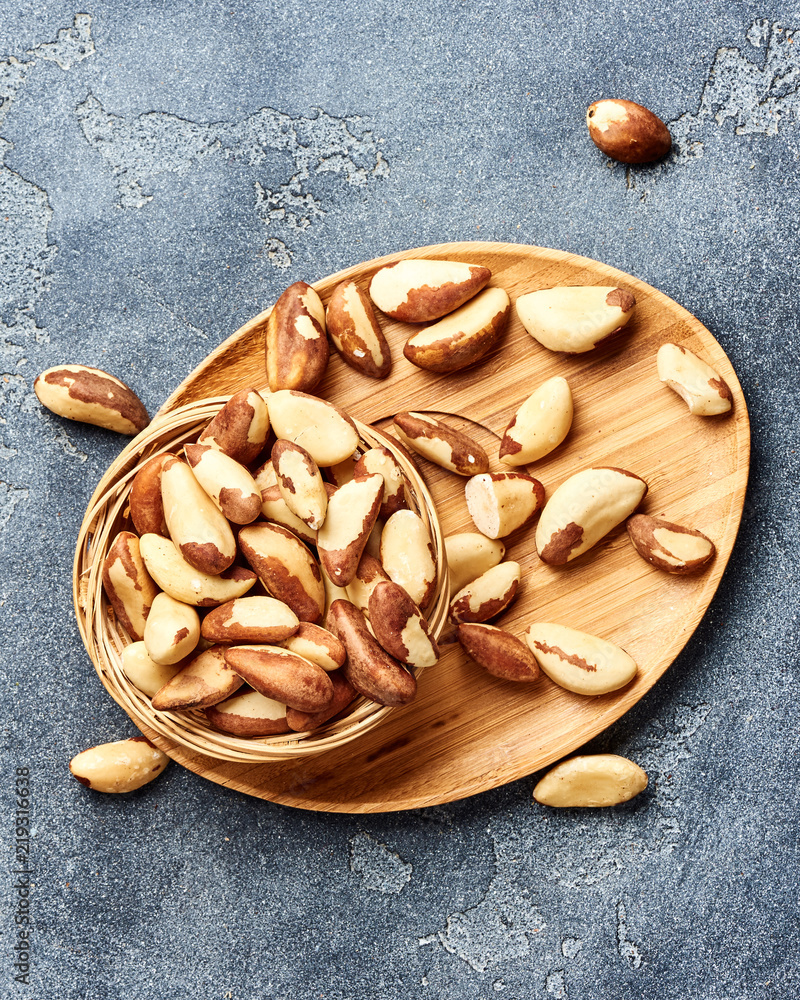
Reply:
x=105, y=639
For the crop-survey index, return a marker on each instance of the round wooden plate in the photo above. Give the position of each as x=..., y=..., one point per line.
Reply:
x=467, y=731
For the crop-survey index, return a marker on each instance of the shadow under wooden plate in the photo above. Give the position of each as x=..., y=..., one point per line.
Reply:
x=467, y=731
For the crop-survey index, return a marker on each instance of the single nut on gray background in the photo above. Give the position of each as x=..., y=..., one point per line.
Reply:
x=91, y=396
x=602, y=779
x=627, y=131
x=121, y=766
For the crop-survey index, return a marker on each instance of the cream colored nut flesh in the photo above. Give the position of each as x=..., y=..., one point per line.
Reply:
x=418, y=291
x=196, y=525
x=463, y=337
x=406, y=554
x=381, y=461
x=250, y=619
x=127, y=583
x=352, y=512
x=146, y=505
x=172, y=630
x=670, y=547
x=317, y=645
x=539, y=425
x=440, y=443
x=122, y=766
x=226, y=481
x=278, y=673
x=369, y=574
x=91, y=396
x=486, y=596
x=469, y=554
x=185, y=583
x=498, y=651
x=145, y=674
x=342, y=472
x=332, y=593
x=500, y=503
x=275, y=509
x=627, y=132
x=325, y=431
x=248, y=714
x=399, y=626
x=296, y=344
x=602, y=779
x=356, y=332
x=205, y=680
x=575, y=318
x=583, y=510
x=578, y=661
x=286, y=567
x=369, y=668
x=264, y=476
x=300, y=483
x=696, y=382
x=240, y=428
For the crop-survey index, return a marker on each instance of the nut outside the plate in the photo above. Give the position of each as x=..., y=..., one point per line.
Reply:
x=104, y=640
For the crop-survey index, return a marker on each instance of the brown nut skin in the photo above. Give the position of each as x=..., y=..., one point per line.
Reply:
x=356, y=332
x=462, y=338
x=399, y=626
x=249, y=713
x=441, y=444
x=206, y=680
x=122, y=766
x=91, y=396
x=343, y=695
x=498, y=651
x=146, y=505
x=286, y=567
x=369, y=668
x=280, y=674
x=627, y=132
x=185, y=583
x=369, y=574
x=128, y=586
x=240, y=428
x=297, y=347
x=670, y=547
x=419, y=291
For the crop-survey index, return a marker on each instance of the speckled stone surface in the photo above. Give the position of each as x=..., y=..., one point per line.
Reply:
x=167, y=169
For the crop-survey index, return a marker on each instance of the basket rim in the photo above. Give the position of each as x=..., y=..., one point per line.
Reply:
x=104, y=639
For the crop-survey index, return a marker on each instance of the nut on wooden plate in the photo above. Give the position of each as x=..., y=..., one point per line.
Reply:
x=419, y=291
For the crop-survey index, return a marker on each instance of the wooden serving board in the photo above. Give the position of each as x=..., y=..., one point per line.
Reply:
x=468, y=731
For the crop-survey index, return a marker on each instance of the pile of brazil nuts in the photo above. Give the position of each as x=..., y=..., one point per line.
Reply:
x=276, y=570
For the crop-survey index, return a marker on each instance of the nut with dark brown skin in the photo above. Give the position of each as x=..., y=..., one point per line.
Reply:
x=240, y=428
x=128, y=585
x=91, y=396
x=356, y=332
x=441, y=444
x=627, y=132
x=369, y=668
x=147, y=507
x=343, y=694
x=399, y=626
x=297, y=346
x=498, y=651
x=670, y=547
x=280, y=674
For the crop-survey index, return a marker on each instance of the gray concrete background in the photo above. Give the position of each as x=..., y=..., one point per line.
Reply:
x=167, y=169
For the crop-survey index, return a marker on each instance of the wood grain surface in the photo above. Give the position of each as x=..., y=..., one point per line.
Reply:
x=467, y=731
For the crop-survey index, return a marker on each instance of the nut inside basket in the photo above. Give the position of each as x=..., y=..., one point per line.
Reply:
x=105, y=638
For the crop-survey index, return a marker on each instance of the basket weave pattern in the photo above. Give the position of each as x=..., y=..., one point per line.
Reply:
x=105, y=640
